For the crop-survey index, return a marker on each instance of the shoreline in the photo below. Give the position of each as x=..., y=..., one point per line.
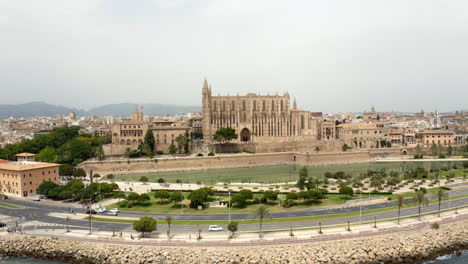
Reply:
x=410, y=246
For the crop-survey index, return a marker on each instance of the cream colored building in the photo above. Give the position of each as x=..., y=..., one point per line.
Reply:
x=25, y=156
x=363, y=135
x=22, y=178
x=438, y=137
x=256, y=118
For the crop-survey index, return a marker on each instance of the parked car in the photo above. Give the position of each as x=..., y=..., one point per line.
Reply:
x=215, y=228
x=90, y=212
x=102, y=210
x=36, y=199
x=114, y=213
x=114, y=210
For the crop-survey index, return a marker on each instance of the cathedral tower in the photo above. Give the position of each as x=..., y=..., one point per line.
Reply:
x=206, y=114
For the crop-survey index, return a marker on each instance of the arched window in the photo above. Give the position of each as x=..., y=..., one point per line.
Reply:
x=244, y=118
x=224, y=106
x=264, y=106
x=243, y=105
x=214, y=105
x=255, y=105
x=272, y=105
x=232, y=106
x=281, y=105
x=302, y=122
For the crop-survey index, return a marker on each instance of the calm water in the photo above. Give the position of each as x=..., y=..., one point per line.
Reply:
x=449, y=259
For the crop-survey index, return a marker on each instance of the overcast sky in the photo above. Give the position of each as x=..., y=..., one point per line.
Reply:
x=401, y=55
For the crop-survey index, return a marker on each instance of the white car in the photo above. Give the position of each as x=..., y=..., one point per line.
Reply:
x=115, y=210
x=36, y=199
x=215, y=228
x=102, y=210
x=114, y=213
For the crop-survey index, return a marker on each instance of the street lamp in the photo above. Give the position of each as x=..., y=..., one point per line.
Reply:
x=229, y=207
x=90, y=204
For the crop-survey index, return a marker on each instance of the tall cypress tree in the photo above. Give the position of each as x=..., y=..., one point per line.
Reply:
x=149, y=139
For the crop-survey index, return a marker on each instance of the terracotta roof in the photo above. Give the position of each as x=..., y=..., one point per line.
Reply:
x=4, y=161
x=24, y=154
x=21, y=166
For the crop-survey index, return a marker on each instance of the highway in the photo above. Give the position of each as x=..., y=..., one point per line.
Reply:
x=39, y=211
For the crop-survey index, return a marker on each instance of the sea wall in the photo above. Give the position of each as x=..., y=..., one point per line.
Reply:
x=166, y=164
x=401, y=247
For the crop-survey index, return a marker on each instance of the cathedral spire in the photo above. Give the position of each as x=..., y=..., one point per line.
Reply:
x=295, y=104
x=205, y=84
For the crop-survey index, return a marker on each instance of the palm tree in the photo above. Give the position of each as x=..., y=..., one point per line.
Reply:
x=169, y=219
x=262, y=212
x=421, y=200
x=400, y=200
x=440, y=194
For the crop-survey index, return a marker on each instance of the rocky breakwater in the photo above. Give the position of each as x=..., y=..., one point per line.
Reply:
x=401, y=247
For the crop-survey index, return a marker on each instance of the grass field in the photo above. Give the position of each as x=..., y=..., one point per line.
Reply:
x=157, y=206
x=283, y=173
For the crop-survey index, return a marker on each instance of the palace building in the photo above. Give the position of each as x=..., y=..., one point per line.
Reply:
x=257, y=118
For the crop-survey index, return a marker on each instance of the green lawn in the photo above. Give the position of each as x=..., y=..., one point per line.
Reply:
x=9, y=205
x=283, y=173
x=158, y=206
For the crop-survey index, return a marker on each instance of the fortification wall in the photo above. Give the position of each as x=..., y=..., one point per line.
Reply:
x=169, y=164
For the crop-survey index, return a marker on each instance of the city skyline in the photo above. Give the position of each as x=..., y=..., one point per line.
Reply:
x=335, y=57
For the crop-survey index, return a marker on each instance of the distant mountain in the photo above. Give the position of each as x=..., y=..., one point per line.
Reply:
x=45, y=109
x=149, y=109
x=34, y=109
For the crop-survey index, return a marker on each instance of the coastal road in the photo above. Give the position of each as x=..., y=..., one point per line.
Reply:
x=39, y=211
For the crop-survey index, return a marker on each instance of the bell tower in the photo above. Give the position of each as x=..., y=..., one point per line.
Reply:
x=206, y=113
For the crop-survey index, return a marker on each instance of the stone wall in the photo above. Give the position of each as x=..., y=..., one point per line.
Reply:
x=400, y=247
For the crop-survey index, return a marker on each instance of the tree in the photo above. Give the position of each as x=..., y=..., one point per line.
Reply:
x=45, y=187
x=248, y=194
x=303, y=174
x=65, y=170
x=144, y=198
x=198, y=198
x=162, y=194
x=270, y=195
x=161, y=180
x=239, y=200
x=169, y=219
x=346, y=190
x=48, y=154
x=260, y=213
x=133, y=196
x=182, y=140
x=176, y=197
x=144, y=179
x=225, y=134
x=149, y=141
x=292, y=196
x=172, y=149
x=99, y=153
x=421, y=200
x=79, y=172
x=440, y=194
x=145, y=224
x=400, y=201
x=232, y=227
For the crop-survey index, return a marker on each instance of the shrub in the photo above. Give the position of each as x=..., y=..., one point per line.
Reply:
x=333, y=188
x=199, y=155
x=161, y=180
x=110, y=176
x=211, y=154
x=288, y=203
x=435, y=225
x=123, y=204
x=160, y=152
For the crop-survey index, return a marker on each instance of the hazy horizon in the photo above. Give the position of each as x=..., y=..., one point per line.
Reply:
x=333, y=56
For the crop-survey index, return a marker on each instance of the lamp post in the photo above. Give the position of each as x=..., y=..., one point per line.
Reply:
x=229, y=207
x=90, y=204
